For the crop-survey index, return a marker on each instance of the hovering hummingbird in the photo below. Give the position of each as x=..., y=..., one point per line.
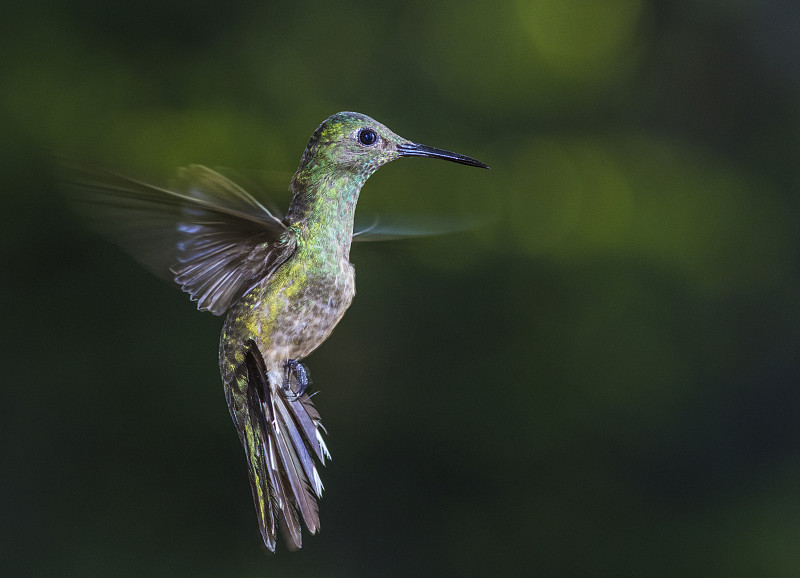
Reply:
x=283, y=284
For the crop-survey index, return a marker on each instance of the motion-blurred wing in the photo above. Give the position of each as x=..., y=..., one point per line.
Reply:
x=207, y=234
x=400, y=227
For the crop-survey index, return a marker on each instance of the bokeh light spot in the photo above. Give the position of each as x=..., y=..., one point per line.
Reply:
x=576, y=38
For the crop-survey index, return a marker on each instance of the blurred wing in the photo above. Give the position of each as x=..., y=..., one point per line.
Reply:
x=270, y=187
x=387, y=229
x=208, y=234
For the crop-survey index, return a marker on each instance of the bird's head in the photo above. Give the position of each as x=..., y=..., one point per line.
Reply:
x=353, y=142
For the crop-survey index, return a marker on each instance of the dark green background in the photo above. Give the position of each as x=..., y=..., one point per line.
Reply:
x=603, y=380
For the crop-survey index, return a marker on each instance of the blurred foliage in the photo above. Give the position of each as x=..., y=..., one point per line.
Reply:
x=602, y=380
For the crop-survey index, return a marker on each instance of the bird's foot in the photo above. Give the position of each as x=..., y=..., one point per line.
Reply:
x=294, y=367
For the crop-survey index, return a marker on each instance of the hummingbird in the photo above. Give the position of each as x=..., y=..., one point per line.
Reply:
x=283, y=284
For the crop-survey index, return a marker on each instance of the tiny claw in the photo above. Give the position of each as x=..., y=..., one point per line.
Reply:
x=301, y=375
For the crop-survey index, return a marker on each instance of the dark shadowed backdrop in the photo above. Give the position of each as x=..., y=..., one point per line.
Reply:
x=601, y=380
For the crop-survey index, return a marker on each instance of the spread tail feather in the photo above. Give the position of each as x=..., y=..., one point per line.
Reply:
x=280, y=436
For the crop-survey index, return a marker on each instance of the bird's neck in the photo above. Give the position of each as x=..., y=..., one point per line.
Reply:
x=323, y=207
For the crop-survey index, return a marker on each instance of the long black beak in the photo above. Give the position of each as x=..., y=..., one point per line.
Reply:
x=411, y=149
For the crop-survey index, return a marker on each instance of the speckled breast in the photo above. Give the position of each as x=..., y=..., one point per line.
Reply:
x=315, y=311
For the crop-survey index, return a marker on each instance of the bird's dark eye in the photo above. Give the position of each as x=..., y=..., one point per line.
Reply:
x=367, y=137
